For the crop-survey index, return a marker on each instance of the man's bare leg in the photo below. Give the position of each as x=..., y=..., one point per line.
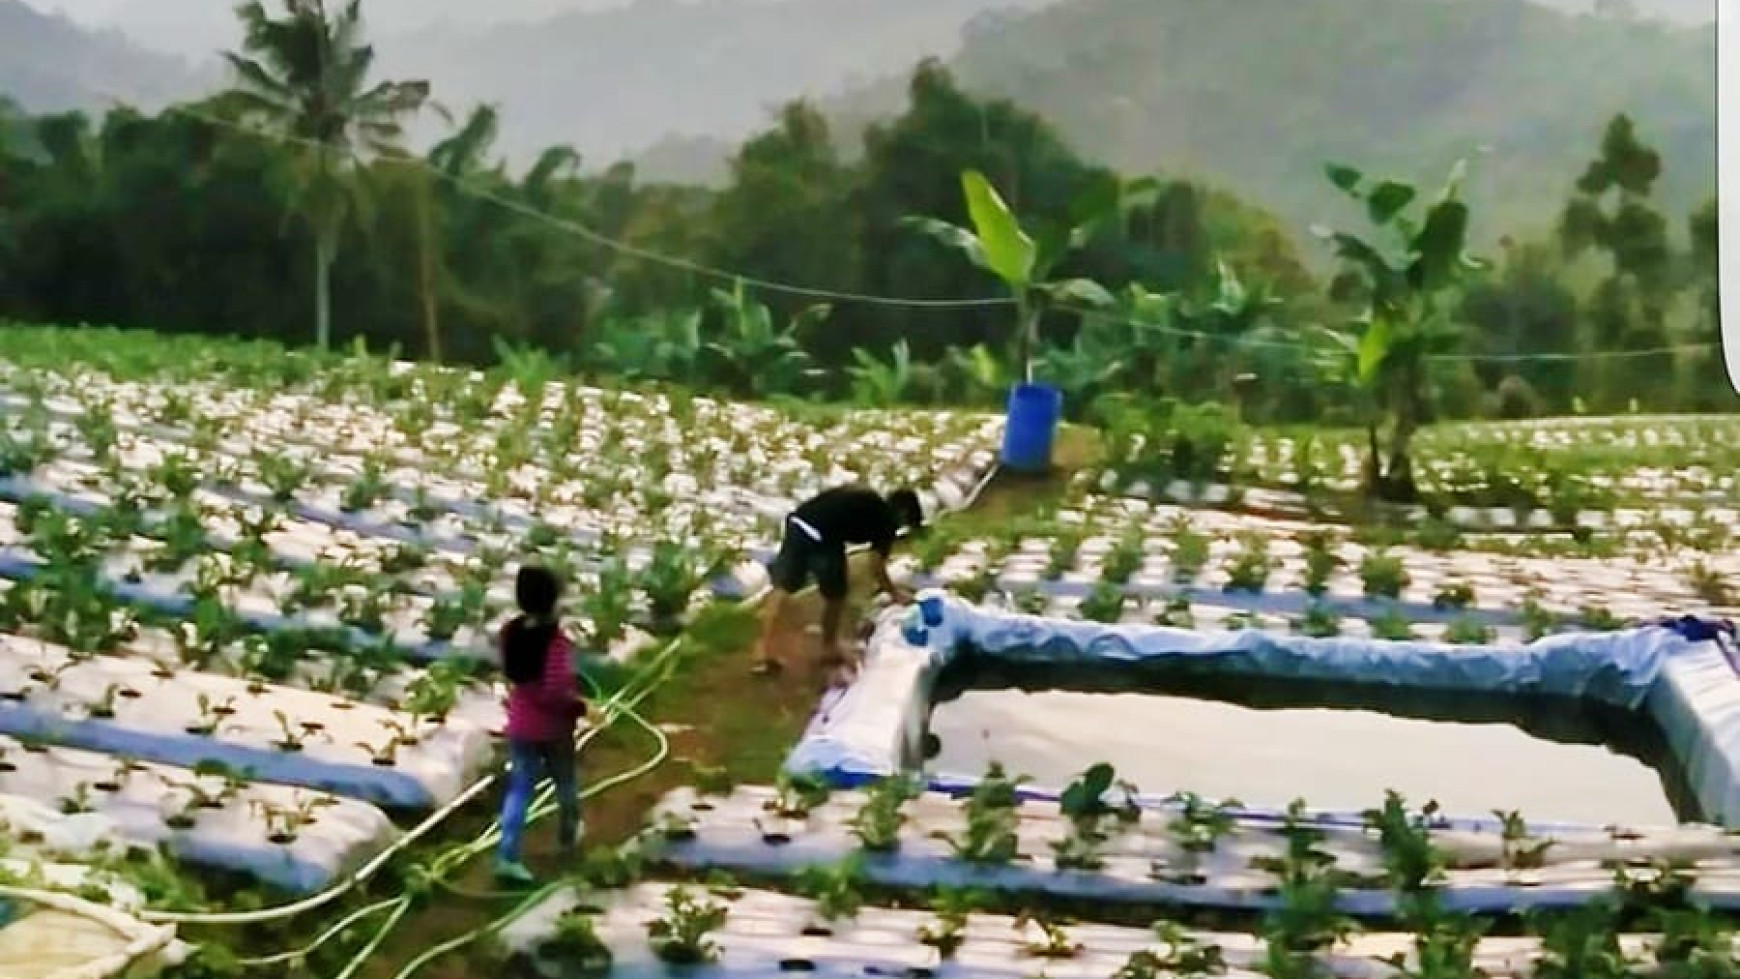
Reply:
x=766, y=661
x=833, y=614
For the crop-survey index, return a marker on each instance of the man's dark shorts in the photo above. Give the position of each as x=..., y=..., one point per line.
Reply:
x=801, y=559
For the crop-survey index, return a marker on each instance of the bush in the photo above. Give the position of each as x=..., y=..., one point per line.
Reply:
x=1516, y=398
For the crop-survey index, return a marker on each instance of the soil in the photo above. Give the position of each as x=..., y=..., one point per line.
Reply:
x=716, y=713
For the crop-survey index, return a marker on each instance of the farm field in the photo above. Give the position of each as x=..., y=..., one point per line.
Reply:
x=248, y=685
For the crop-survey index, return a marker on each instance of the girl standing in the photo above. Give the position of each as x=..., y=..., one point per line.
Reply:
x=544, y=708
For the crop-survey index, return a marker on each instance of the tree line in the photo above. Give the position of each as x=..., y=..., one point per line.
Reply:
x=288, y=208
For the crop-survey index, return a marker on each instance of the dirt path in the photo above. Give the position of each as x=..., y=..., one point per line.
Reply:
x=716, y=715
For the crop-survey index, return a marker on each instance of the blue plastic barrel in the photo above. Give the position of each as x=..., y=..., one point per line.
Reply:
x=1031, y=428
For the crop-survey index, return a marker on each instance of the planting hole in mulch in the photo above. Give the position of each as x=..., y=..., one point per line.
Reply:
x=817, y=931
x=796, y=965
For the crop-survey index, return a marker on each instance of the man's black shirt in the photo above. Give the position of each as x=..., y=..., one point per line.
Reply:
x=849, y=515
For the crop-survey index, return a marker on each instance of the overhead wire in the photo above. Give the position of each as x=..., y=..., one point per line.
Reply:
x=651, y=257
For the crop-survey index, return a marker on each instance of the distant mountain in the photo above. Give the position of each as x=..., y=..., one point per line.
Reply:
x=1255, y=95
x=613, y=81
x=49, y=64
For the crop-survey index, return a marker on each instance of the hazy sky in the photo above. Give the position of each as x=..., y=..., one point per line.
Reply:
x=195, y=28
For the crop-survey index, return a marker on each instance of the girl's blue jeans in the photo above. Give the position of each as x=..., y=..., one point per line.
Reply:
x=528, y=763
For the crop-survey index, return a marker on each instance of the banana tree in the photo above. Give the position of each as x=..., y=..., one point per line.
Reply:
x=757, y=358
x=1408, y=289
x=1024, y=261
x=881, y=383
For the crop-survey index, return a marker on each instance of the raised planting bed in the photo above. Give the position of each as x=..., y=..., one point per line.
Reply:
x=1651, y=692
x=293, y=737
x=293, y=839
x=1290, y=567
x=726, y=933
x=1130, y=849
x=46, y=935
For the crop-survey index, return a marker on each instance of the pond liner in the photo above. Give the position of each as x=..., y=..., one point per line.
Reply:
x=874, y=728
x=1144, y=864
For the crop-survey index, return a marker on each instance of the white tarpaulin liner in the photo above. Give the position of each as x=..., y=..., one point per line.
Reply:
x=873, y=728
x=58, y=936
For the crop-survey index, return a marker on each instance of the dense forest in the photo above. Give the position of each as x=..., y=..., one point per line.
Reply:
x=804, y=276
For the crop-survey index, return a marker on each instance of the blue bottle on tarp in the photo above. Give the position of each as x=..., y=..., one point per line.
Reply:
x=912, y=629
x=931, y=607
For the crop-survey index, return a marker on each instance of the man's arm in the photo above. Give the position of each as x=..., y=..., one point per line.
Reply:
x=879, y=569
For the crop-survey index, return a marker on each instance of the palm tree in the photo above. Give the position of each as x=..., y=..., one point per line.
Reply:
x=306, y=76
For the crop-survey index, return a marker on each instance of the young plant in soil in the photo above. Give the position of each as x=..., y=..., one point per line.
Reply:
x=681, y=936
x=1320, y=621
x=1176, y=614
x=1454, y=596
x=1061, y=559
x=1084, y=805
x=1126, y=557
x=78, y=802
x=1200, y=825
x=796, y=795
x=712, y=780
x=1321, y=560
x=877, y=824
x=1308, y=921
x=1184, y=958
x=1190, y=550
x=1033, y=602
x=575, y=949
x=1599, y=618
x=1384, y=575
x=1537, y=621
x=989, y=836
x=103, y=707
x=1251, y=564
x=1411, y=861
x=948, y=930
x=837, y=890
x=211, y=714
x=294, y=735
x=1468, y=631
x=285, y=823
x=1522, y=851
x=1582, y=943
x=1444, y=942
x=1104, y=604
x=1391, y=626
x=1053, y=943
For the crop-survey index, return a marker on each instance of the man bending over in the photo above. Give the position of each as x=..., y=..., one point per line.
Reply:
x=817, y=534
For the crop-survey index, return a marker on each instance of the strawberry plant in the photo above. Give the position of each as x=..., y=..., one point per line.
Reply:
x=680, y=937
x=836, y=890
x=1411, y=860
x=877, y=824
x=1521, y=850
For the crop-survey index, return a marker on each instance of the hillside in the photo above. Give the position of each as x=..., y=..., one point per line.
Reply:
x=49, y=63
x=1258, y=94
x=613, y=81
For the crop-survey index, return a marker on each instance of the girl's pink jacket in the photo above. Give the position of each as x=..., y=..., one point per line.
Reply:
x=549, y=707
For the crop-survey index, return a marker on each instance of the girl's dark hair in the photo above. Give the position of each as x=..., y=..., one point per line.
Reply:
x=526, y=639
